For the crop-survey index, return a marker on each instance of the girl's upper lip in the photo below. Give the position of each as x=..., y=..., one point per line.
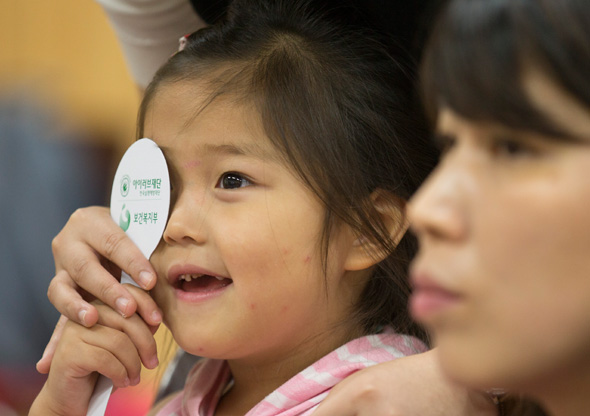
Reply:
x=178, y=270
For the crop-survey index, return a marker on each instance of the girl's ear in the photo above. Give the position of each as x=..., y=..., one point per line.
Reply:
x=391, y=210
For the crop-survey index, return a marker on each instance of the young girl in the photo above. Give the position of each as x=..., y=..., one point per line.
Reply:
x=284, y=257
x=503, y=274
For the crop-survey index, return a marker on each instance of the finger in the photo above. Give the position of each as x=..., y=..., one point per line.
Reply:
x=146, y=307
x=353, y=396
x=342, y=406
x=109, y=352
x=136, y=330
x=64, y=294
x=90, y=239
x=335, y=405
x=96, y=228
x=331, y=409
x=44, y=363
x=84, y=270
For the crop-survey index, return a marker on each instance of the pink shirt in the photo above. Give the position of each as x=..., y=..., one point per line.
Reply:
x=301, y=394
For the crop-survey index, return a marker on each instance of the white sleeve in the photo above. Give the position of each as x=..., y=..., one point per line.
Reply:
x=148, y=31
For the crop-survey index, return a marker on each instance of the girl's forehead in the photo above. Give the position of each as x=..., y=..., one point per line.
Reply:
x=216, y=124
x=187, y=94
x=193, y=102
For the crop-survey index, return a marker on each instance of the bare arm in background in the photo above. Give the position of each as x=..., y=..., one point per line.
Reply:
x=148, y=31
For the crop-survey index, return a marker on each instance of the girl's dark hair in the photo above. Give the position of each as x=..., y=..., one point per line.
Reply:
x=339, y=109
x=481, y=50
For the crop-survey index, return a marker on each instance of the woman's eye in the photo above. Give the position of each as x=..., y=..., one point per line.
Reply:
x=232, y=180
x=507, y=147
x=444, y=143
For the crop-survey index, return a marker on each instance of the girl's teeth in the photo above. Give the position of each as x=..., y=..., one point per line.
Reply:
x=189, y=277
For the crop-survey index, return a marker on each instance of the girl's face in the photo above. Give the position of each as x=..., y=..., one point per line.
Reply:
x=239, y=271
x=503, y=273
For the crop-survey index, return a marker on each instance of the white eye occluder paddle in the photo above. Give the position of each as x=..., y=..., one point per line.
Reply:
x=140, y=200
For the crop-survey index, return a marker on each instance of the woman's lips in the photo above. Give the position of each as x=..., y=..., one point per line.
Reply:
x=429, y=298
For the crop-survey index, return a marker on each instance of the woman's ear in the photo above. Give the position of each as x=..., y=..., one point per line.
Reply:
x=391, y=212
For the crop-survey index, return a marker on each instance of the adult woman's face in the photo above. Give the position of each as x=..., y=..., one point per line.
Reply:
x=503, y=273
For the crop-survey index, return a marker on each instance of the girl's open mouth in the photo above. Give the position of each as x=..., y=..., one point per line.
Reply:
x=195, y=283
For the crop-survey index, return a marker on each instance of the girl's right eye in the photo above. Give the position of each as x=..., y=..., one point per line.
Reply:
x=232, y=180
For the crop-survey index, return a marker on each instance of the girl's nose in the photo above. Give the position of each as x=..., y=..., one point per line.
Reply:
x=186, y=223
x=438, y=210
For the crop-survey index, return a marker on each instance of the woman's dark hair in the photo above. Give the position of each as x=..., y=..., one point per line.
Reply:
x=477, y=57
x=481, y=50
x=339, y=109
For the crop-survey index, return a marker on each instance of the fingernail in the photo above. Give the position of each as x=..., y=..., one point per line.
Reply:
x=136, y=381
x=43, y=356
x=121, y=304
x=156, y=317
x=126, y=382
x=145, y=278
x=82, y=316
x=154, y=362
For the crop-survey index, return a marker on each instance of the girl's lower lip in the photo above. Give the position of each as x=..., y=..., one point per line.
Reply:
x=426, y=302
x=199, y=296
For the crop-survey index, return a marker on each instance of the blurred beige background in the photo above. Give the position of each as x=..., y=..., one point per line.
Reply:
x=65, y=52
x=64, y=58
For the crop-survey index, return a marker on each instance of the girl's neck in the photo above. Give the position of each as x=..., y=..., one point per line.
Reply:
x=254, y=379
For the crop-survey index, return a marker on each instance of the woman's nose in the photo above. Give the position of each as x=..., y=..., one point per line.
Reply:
x=438, y=209
x=186, y=223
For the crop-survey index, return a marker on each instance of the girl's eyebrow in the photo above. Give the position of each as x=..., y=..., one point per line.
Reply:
x=249, y=150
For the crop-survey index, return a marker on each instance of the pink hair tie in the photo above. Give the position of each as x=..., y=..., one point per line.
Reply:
x=182, y=42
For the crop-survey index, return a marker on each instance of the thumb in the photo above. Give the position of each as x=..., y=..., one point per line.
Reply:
x=44, y=363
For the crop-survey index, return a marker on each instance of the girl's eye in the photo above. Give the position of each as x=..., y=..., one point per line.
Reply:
x=232, y=180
